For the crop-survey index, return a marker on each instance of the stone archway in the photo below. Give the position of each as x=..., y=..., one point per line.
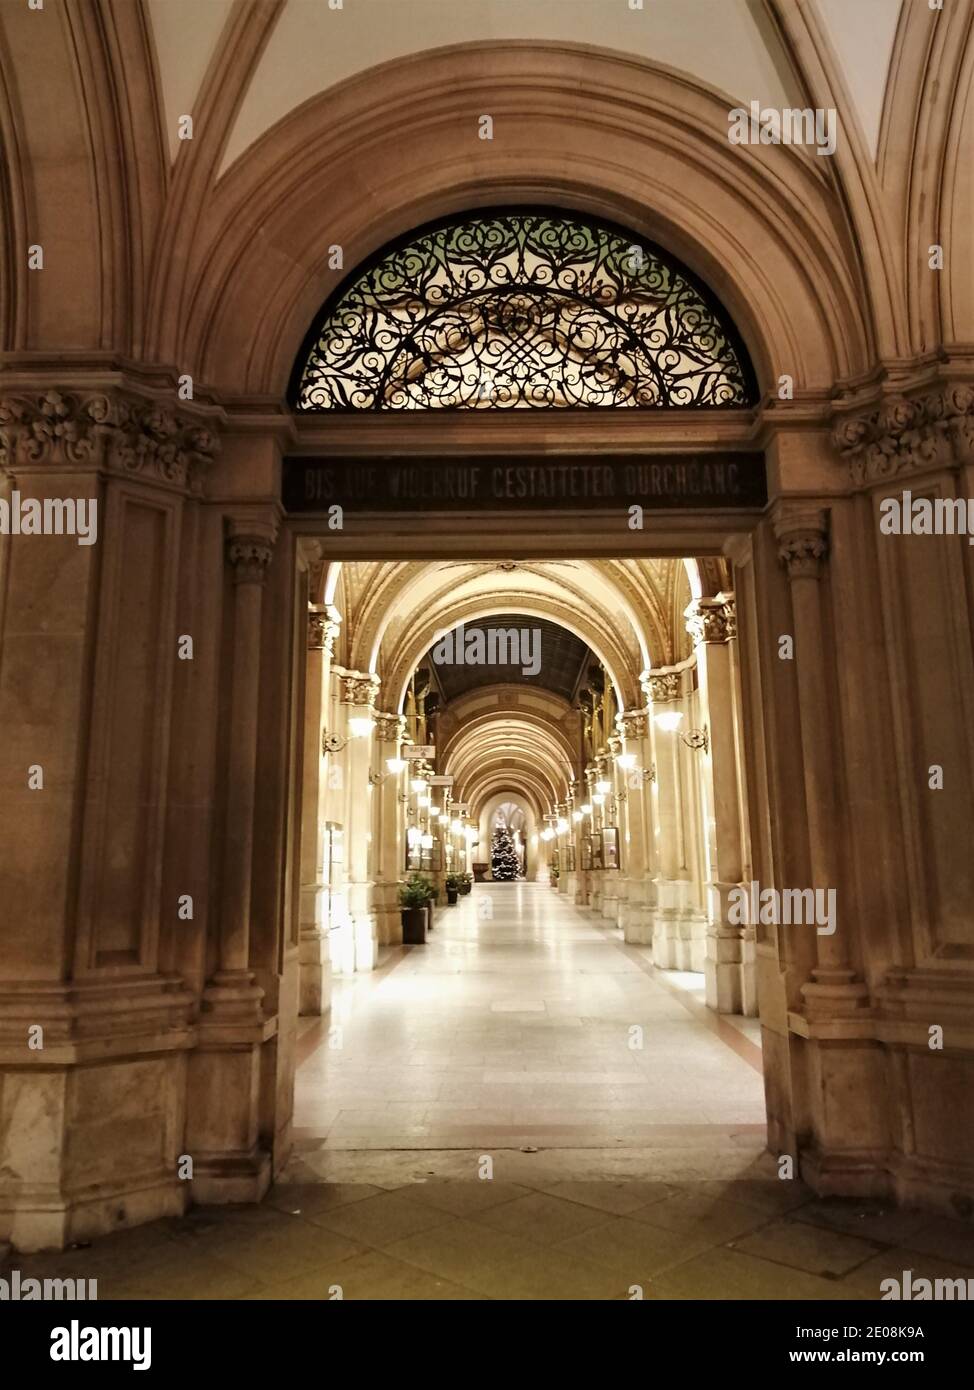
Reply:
x=187, y=1022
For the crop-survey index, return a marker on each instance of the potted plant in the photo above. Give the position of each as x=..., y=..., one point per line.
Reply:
x=413, y=898
x=466, y=883
x=426, y=885
x=452, y=889
x=554, y=872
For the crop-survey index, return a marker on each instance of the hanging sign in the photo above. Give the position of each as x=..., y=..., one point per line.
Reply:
x=441, y=781
x=413, y=751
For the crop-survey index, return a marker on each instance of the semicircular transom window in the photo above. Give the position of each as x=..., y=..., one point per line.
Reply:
x=522, y=310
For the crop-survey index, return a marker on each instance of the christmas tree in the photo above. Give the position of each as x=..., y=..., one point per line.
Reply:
x=504, y=863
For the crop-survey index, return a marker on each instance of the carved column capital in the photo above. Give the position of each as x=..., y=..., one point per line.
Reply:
x=803, y=543
x=249, y=558
x=632, y=723
x=706, y=620
x=908, y=433
x=359, y=688
x=728, y=605
x=323, y=631
x=390, y=728
x=661, y=687
x=118, y=431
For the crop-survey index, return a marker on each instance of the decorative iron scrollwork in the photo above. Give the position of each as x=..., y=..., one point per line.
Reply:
x=522, y=310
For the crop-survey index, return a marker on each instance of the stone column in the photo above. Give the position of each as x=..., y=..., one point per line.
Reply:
x=583, y=876
x=711, y=623
x=224, y=1071
x=636, y=917
x=802, y=534
x=569, y=879
x=613, y=890
x=596, y=876
x=359, y=692
x=663, y=694
x=390, y=730
x=314, y=956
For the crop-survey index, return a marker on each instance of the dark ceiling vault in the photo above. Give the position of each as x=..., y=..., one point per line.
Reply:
x=561, y=658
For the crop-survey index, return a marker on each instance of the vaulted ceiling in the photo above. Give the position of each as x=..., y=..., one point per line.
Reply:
x=733, y=46
x=498, y=730
x=547, y=655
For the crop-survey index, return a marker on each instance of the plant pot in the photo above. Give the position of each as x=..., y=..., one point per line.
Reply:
x=429, y=913
x=451, y=896
x=414, y=926
x=465, y=889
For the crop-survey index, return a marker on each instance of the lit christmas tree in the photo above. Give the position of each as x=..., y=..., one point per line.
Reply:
x=504, y=863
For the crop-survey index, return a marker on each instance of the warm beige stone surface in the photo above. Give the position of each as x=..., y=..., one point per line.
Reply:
x=167, y=905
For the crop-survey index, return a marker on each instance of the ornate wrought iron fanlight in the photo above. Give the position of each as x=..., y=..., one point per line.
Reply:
x=522, y=310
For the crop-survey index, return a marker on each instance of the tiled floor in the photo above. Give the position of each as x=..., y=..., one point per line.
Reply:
x=481, y=1128
x=533, y=1025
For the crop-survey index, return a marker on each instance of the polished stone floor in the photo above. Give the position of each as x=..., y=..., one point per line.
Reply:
x=482, y=1119
x=523, y=1021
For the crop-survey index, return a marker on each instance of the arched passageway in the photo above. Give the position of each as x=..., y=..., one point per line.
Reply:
x=662, y=426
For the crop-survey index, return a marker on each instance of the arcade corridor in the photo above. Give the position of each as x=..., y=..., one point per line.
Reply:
x=617, y=1172
x=518, y=1024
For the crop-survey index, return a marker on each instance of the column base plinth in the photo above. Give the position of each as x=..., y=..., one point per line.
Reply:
x=225, y=1178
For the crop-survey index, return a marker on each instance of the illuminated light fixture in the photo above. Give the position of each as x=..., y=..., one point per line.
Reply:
x=598, y=799
x=413, y=836
x=576, y=815
x=427, y=842
x=561, y=825
x=396, y=765
x=361, y=727
x=471, y=835
x=548, y=834
x=627, y=761
x=417, y=785
x=422, y=801
x=456, y=826
x=587, y=809
x=435, y=812
x=669, y=720
x=603, y=787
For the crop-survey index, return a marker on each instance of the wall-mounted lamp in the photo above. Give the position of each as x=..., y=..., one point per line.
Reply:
x=417, y=785
x=697, y=738
x=396, y=765
x=361, y=726
x=587, y=809
x=576, y=816
x=561, y=825
x=598, y=799
x=668, y=720
x=626, y=761
x=603, y=787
